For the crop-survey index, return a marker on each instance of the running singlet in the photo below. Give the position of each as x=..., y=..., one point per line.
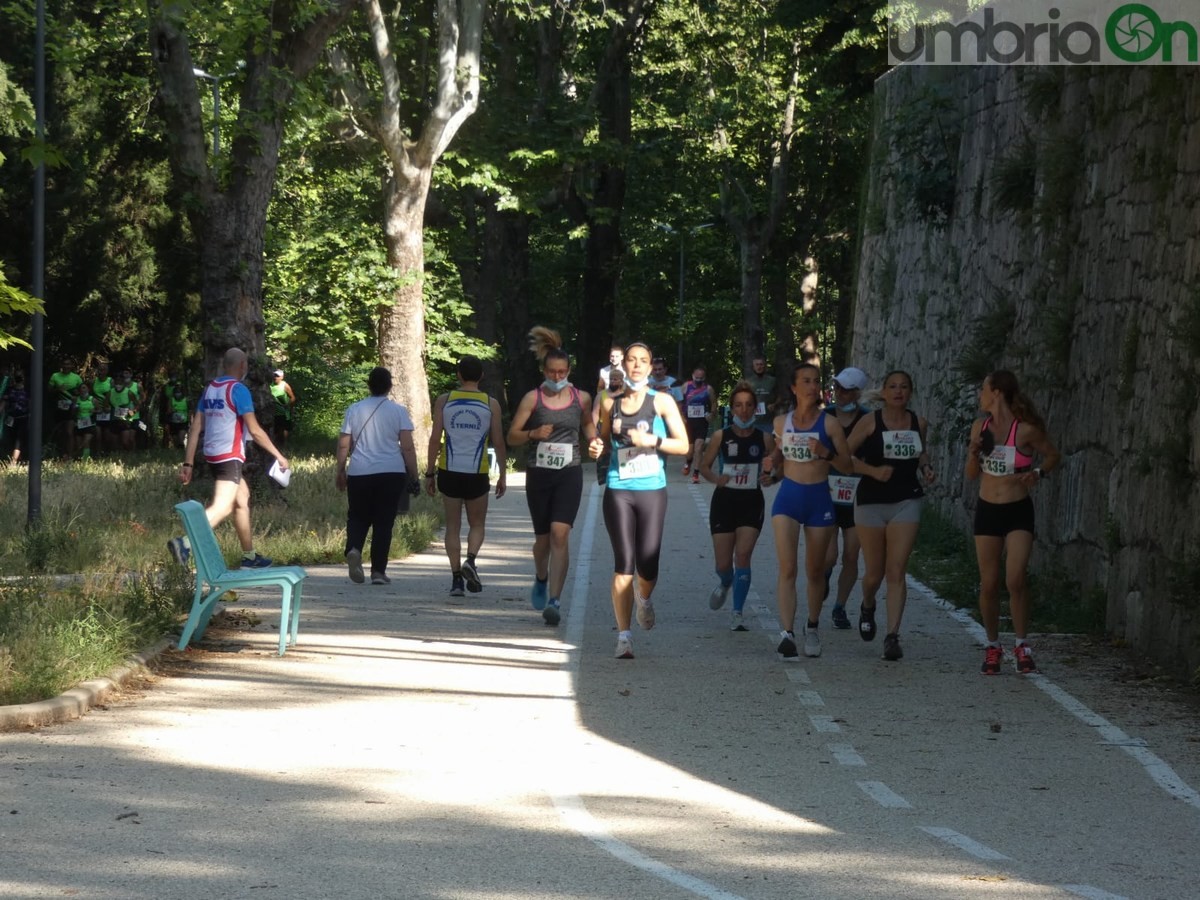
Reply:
x=794, y=444
x=101, y=388
x=695, y=400
x=636, y=468
x=900, y=449
x=843, y=488
x=64, y=385
x=741, y=459
x=1006, y=459
x=85, y=408
x=223, y=403
x=466, y=424
x=279, y=392
x=561, y=449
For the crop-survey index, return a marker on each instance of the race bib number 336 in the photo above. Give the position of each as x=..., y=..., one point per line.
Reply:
x=901, y=444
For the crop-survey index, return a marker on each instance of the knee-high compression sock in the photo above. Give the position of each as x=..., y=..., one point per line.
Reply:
x=741, y=587
x=726, y=577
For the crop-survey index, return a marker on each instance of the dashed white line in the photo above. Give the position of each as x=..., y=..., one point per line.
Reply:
x=962, y=842
x=825, y=724
x=799, y=676
x=846, y=755
x=809, y=698
x=883, y=795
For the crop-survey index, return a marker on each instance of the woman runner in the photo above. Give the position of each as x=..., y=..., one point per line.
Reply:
x=549, y=419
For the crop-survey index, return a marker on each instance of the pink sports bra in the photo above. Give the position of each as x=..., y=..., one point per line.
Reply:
x=1023, y=460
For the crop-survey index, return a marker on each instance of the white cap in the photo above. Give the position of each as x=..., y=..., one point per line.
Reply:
x=851, y=378
x=279, y=373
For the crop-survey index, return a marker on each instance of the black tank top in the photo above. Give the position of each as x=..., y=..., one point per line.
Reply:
x=904, y=484
x=640, y=420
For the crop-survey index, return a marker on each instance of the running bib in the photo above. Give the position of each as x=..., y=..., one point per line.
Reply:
x=842, y=489
x=178, y=418
x=742, y=476
x=696, y=411
x=64, y=404
x=1001, y=461
x=552, y=456
x=122, y=412
x=901, y=444
x=83, y=422
x=103, y=417
x=761, y=409
x=637, y=462
x=795, y=446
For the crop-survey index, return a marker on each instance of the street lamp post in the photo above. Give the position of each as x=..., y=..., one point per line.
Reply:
x=216, y=94
x=683, y=233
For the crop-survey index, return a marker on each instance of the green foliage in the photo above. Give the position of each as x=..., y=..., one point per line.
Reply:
x=990, y=333
x=924, y=135
x=1014, y=179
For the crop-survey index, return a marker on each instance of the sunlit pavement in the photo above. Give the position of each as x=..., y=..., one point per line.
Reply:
x=417, y=745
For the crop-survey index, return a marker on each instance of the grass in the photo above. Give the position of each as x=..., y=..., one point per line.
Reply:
x=107, y=524
x=944, y=559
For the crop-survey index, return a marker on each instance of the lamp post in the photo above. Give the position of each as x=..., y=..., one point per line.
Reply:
x=682, y=281
x=216, y=94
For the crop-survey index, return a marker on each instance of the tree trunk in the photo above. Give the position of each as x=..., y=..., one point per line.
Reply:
x=502, y=308
x=402, y=325
x=751, y=252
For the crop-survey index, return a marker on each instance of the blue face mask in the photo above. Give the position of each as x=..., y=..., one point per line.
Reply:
x=848, y=407
x=555, y=386
x=743, y=423
x=635, y=385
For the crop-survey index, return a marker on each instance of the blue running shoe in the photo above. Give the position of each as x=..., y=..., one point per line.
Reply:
x=180, y=550
x=552, y=615
x=539, y=594
x=259, y=562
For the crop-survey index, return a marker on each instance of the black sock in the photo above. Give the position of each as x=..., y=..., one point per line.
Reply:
x=812, y=626
x=471, y=558
x=456, y=573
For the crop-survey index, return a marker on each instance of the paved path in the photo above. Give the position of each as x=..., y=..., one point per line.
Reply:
x=418, y=746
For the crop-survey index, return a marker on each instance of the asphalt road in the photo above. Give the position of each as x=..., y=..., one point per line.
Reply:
x=419, y=746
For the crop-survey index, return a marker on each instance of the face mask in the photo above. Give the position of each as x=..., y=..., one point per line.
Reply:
x=555, y=386
x=848, y=407
x=697, y=381
x=743, y=423
x=632, y=384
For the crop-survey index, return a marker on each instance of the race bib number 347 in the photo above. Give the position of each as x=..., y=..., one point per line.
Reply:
x=553, y=456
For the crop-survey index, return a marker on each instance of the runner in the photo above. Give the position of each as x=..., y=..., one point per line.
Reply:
x=808, y=440
x=63, y=385
x=615, y=354
x=639, y=426
x=225, y=415
x=659, y=379
x=735, y=515
x=468, y=418
x=549, y=419
x=848, y=386
x=893, y=449
x=102, y=386
x=699, y=402
x=763, y=386
x=123, y=400
x=285, y=408
x=85, y=421
x=14, y=406
x=1000, y=455
x=616, y=380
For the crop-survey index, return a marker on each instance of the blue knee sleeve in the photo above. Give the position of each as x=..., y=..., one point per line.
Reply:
x=741, y=587
x=726, y=577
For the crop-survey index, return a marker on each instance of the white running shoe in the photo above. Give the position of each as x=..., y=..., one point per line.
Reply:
x=812, y=642
x=718, y=596
x=736, y=624
x=624, y=649
x=354, y=564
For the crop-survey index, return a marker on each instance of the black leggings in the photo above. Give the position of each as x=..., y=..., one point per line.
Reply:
x=635, y=520
x=374, y=501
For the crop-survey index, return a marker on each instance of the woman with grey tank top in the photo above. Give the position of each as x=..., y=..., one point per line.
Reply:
x=549, y=419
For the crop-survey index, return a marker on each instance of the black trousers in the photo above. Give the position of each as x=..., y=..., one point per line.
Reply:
x=374, y=502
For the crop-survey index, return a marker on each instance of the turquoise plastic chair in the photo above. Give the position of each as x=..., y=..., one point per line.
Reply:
x=211, y=570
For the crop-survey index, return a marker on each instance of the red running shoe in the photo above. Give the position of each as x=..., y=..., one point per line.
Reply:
x=1024, y=658
x=992, y=657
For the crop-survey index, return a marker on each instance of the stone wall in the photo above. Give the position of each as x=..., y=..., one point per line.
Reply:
x=1047, y=220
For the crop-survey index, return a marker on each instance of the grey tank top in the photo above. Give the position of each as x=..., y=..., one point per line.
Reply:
x=565, y=424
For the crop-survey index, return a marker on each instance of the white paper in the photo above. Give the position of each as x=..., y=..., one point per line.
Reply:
x=282, y=476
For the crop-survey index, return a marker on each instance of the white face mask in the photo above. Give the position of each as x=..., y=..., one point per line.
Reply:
x=848, y=407
x=743, y=423
x=555, y=386
x=632, y=384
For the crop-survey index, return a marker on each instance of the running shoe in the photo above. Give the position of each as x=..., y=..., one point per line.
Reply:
x=787, y=647
x=840, y=619
x=258, y=562
x=552, y=615
x=471, y=574
x=735, y=622
x=624, y=649
x=891, y=647
x=539, y=594
x=180, y=550
x=354, y=563
x=695, y=478
x=687, y=468
x=812, y=642
x=1024, y=659
x=457, y=587
x=866, y=623
x=717, y=598
x=380, y=578
x=992, y=657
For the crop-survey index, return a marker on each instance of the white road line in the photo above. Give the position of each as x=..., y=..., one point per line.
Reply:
x=825, y=724
x=809, y=698
x=1158, y=770
x=962, y=842
x=846, y=755
x=1086, y=890
x=571, y=807
x=883, y=795
x=799, y=676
